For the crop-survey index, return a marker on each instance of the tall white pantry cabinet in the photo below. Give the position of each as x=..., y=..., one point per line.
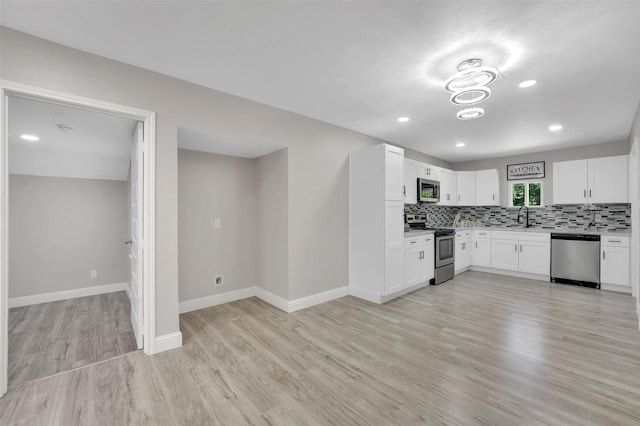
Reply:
x=376, y=222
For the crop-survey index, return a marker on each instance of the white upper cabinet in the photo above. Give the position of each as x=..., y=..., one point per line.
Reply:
x=570, y=182
x=410, y=182
x=448, y=187
x=393, y=173
x=466, y=186
x=607, y=179
x=426, y=171
x=597, y=180
x=487, y=188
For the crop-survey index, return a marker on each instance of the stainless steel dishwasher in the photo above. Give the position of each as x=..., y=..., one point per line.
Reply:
x=575, y=259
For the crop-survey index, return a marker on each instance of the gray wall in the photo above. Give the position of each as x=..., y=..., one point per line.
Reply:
x=272, y=220
x=424, y=158
x=549, y=157
x=212, y=186
x=62, y=228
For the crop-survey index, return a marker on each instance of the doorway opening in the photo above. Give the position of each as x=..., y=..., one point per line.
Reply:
x=90, y=205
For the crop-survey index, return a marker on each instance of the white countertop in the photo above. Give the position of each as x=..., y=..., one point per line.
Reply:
x=549, y=230
x=417, y=233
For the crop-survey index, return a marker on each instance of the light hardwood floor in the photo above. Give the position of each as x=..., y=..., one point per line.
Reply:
x=481, y=349
x=49, y=338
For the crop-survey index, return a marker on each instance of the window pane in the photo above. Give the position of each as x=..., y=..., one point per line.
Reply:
x=518, y=194
x=534, y=194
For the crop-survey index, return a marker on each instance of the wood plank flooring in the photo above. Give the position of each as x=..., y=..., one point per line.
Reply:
x=480, y=349
x=49, y=338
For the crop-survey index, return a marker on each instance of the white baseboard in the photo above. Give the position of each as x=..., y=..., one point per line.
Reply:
x=216, y=299
x=518, y=274
x=617, y=288
x=316, y=299
x=272, y=299
x=168, y=341
x=15, y=302
x=365, y=295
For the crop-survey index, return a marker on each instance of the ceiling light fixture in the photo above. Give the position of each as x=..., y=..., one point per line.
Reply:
x=30, y=138
x=470, y=113
x=470, y=86
x=459, y=145
x=527, y=83
x=403, y=119
x=555, y=127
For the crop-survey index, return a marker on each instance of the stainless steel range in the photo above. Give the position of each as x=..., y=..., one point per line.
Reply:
x=444, y=249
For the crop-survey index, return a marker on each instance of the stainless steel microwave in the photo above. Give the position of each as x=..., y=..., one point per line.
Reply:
x=428, y=190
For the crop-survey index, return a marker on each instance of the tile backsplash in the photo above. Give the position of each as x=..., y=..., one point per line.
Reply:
x=607, y=217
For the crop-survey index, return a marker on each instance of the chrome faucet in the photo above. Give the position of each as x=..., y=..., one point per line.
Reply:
x=526, y=217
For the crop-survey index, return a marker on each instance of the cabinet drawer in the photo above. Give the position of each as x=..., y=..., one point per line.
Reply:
x=481, y=234
x=420, y=241
x=522, y=236
x=463, y=234
x=614, y=241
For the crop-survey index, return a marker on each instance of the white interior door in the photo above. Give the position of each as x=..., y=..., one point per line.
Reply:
x=136, y=288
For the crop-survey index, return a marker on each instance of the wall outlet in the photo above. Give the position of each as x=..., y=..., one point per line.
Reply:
x=217, y=224
x=93, y=273
x=219, y=279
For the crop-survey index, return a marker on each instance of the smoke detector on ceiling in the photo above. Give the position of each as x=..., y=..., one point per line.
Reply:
x=66, y=128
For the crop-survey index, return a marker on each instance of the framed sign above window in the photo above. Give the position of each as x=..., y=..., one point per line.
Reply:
x=525, y=171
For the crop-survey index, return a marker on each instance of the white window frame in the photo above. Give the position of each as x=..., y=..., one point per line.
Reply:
x=526, y=192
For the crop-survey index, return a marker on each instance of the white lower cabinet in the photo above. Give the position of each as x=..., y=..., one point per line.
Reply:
x=418, y=260
x=481, y=248
x=614, y=261
x=522, y=252
x=462, y=258
x=504, y=254
x=535, y=257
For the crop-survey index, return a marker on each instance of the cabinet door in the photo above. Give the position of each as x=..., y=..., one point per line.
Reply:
x=427, y=267
x=463, y=254
x=487, y=188
x=412, y=266
x=466, y=188
x=410, y=182
x=393, y=271
x=614, y=265
x=448, y=190
x=535, y=257
x=393, y=173
x=481, y=252
x=394, y=246
x=426, y=171
x=394, y=225
x=608, y=179
x=570, y=182
x=504, y=254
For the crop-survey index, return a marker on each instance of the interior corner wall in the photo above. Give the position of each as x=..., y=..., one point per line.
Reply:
x=549, y=157
x=272, y=187
x=62, y=228
x=210, y=187
x=634, y=198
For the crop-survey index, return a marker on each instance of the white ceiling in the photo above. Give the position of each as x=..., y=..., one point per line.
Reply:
x=361, y=65
x=99, y=148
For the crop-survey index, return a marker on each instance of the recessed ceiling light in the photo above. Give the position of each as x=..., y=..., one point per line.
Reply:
x=555, y=127
x=459, y=145
x=527, y=83
x=31, y=138
x=403, y=119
